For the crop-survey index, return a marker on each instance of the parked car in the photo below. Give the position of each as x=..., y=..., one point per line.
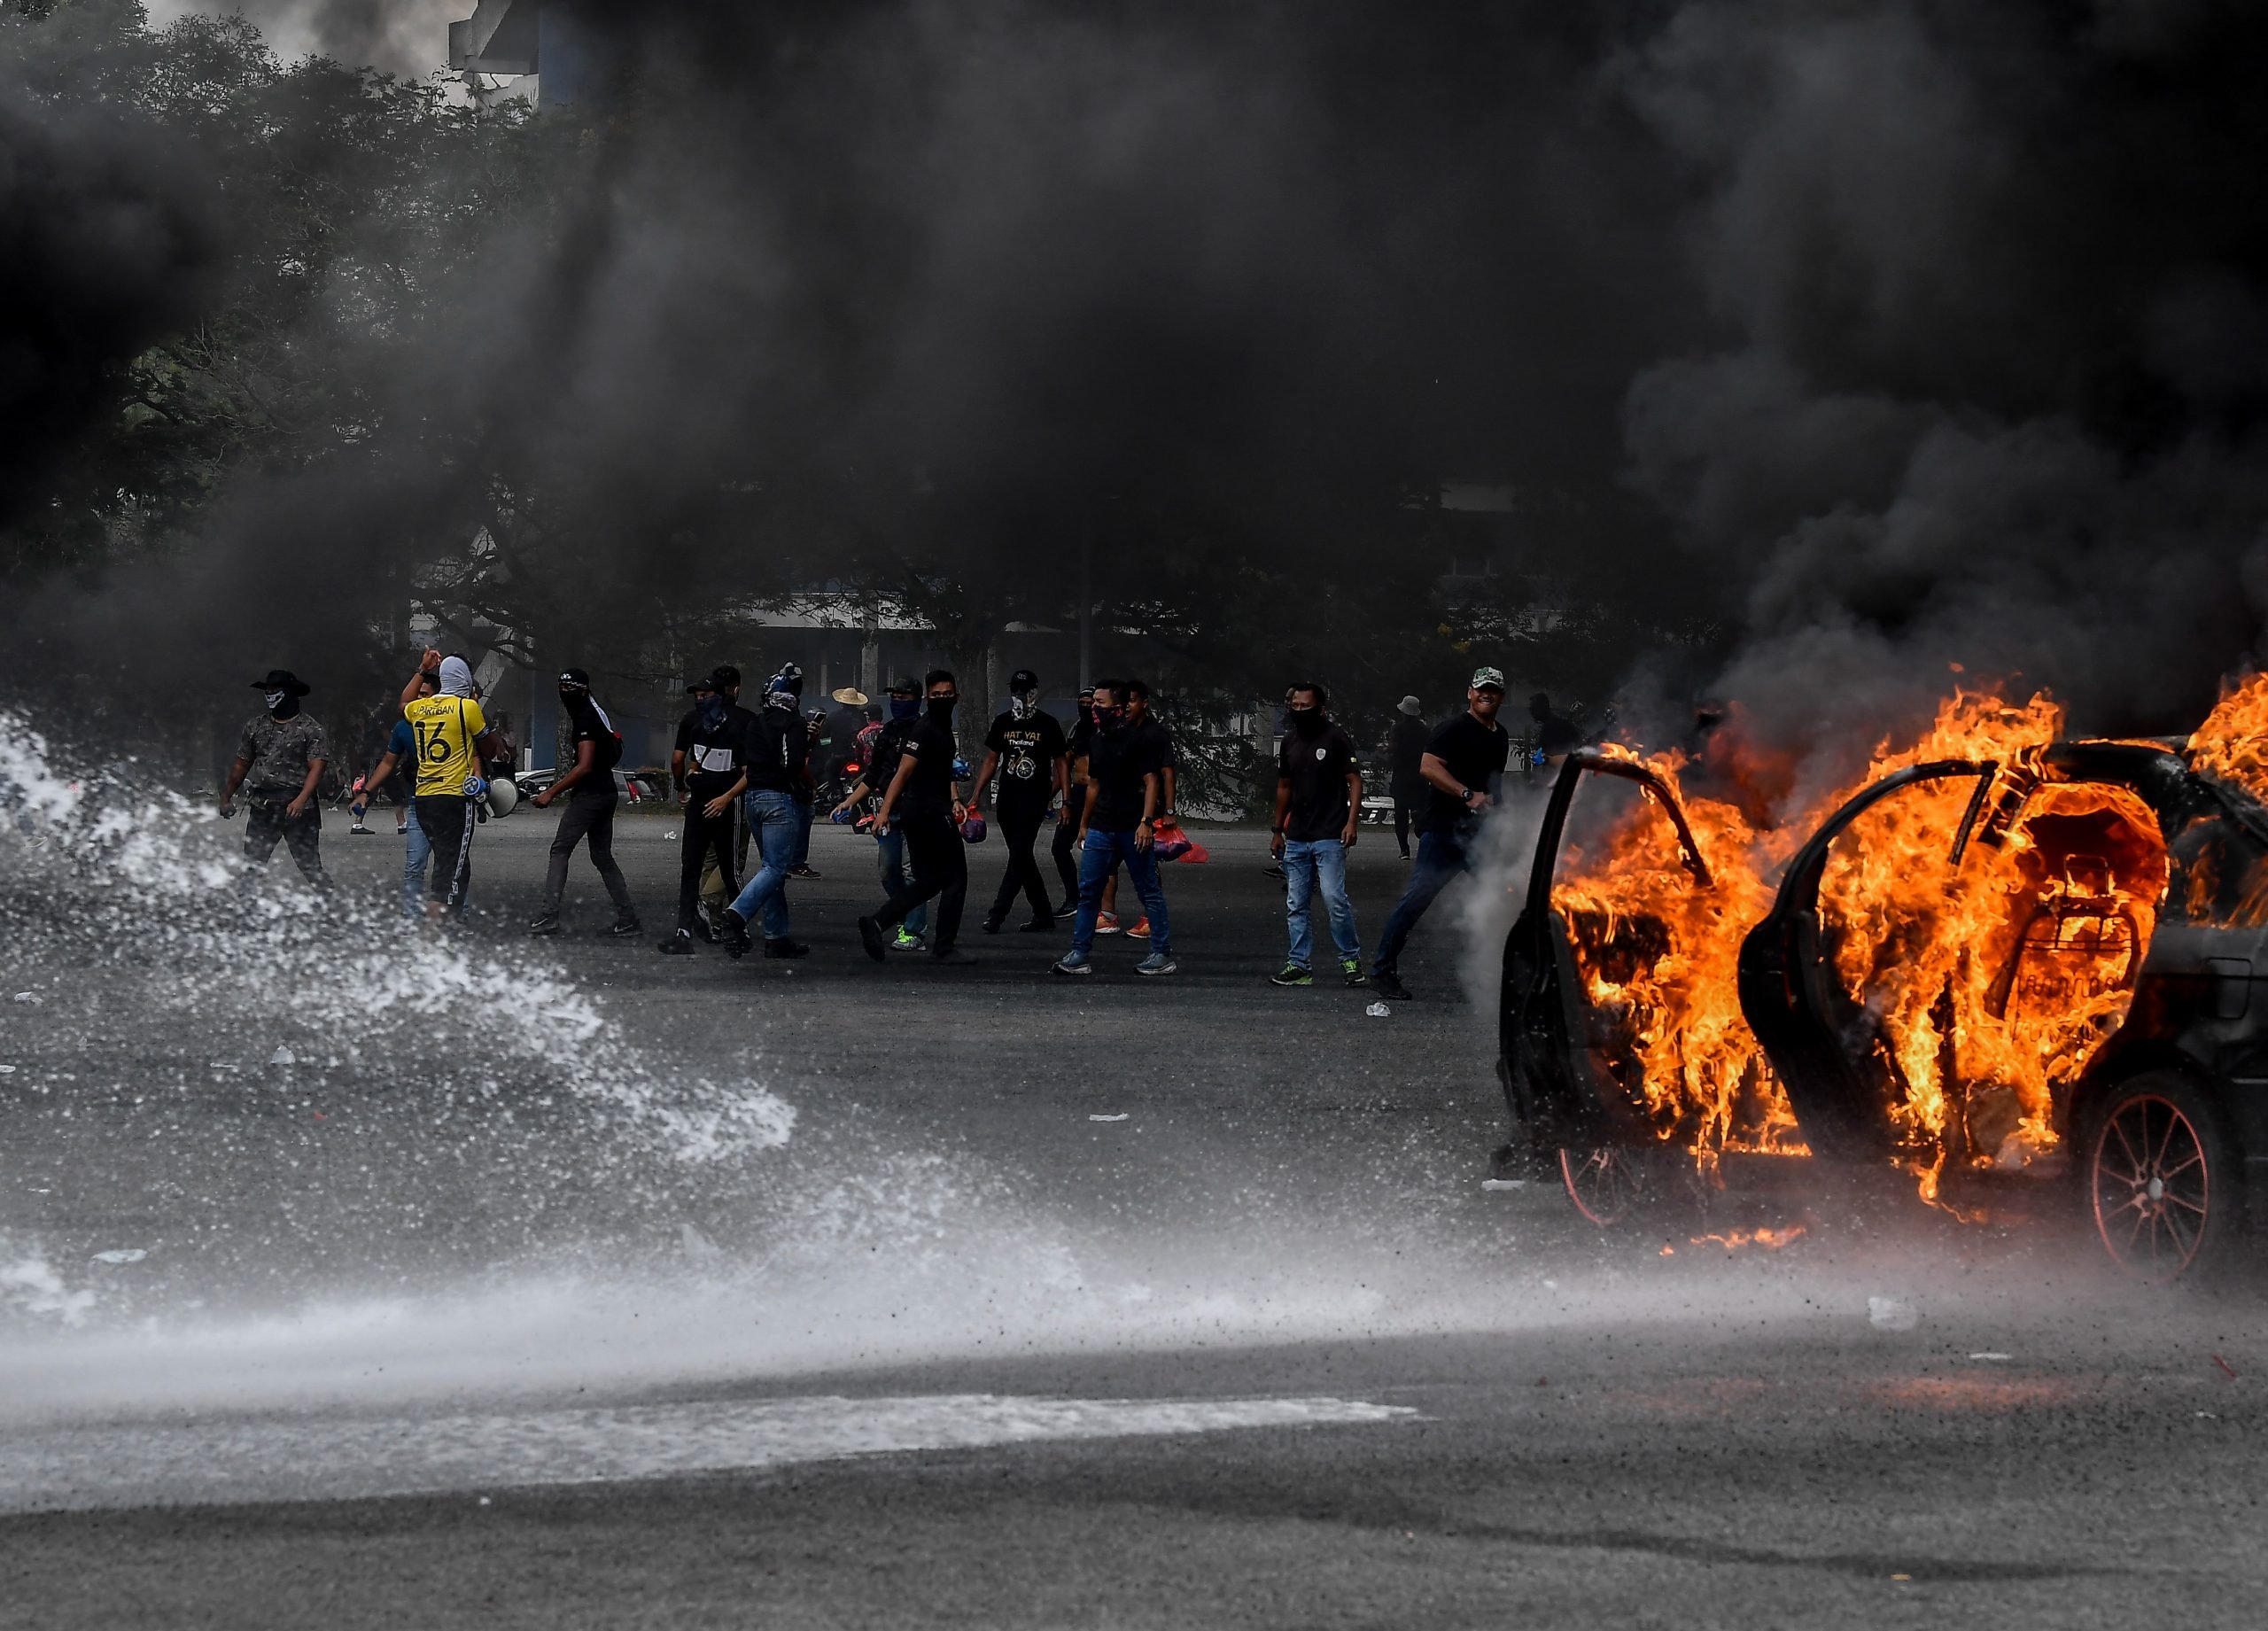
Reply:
x=2051, y=974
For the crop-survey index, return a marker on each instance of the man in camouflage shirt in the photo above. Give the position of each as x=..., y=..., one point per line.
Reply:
x=279, y=764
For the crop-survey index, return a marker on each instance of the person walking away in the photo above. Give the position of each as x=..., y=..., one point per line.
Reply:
x=418, y=854
x=1126, y=790
x=279, y=764
x=451, y=734
x=1025, y=747
x=1463, y=761
x=1318, y=802
x=1064, y=847
x=880, y=751
x=777, y=760
x=922, y=796
x=1405, y=751
x=592, y=800
x=1159, y=744
x=709, y=767
x=719, y=887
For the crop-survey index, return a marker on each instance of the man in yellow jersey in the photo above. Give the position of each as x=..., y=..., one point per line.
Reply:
x=449, y=731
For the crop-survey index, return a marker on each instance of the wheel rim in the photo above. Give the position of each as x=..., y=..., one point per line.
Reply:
x=1602, y=1183
x=2153, y=1187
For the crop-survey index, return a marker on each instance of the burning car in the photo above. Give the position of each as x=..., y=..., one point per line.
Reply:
x=2000, y=958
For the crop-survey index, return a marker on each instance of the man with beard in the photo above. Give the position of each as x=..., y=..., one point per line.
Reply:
x=1126, y=790
x=1405, y=753
x=1025, y=747
x=778, y=758
x=452, y=734
x=884, y=747
x=279, y=765
x=1318, y=794
x=709, y=767
x=1066, y=845
x=588, y=788
x=1463, y=760
x=921, y=795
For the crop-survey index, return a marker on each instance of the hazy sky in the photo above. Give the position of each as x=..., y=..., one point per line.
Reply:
x=409, y=37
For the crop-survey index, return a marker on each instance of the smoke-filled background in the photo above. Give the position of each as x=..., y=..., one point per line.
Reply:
x=1808, y=350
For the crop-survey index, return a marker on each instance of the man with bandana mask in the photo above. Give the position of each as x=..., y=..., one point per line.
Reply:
x=922, y=796
x=588, y=787
x=1026, y=748
x=710, y=767
x=719, y=885
x=884, y=749
x=451, y=737
x=778, y=759
x=1319, y=797
x=279, y=765
x=1125, y=792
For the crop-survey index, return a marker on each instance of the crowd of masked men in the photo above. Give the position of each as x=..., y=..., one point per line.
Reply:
x=745, y=777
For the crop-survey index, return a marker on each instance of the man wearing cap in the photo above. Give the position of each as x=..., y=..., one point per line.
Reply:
x=279, y=765
x=452, y=736
x=1405, y=752
x=885, y=748
x=588, y=787
x=1461, y=764
x=1025, y=748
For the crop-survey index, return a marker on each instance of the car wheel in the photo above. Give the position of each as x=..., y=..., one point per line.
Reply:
x=1605, y=1182
x=2162, y=1177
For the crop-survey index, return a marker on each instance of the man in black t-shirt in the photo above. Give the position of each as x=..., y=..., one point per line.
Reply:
x=1461, y=768
x=1157, y=743
x=1405, y=752
x=777, y=756
x=886, y=745
x=1125, y=793
x=588, y=788
x=1026, y=748
x=1066, y=844
x=922, y=799
x=1318, y=793
x=709, y=767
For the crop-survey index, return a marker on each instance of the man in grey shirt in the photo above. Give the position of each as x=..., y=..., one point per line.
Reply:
x=279, y=765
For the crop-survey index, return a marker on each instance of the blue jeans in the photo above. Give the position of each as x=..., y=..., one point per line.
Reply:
x=417, y=855
x=1440, y=858
x=1098, y=863
x=1305, y=864
x=771, y=827
x=898, y=877
x=803, y=814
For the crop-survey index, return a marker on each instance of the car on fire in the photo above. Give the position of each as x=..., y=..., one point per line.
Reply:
x=2033, y=962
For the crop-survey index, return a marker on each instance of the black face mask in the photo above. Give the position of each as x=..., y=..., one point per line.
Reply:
x=1110, y=720
x=1309, y=721
x=941, y=709
x=284, y=706
x=712, y=708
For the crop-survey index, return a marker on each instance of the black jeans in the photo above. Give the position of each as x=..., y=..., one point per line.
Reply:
x=1019, y=830
x=933, y=843
x=1065, y=847
x=447, y=821
x=1405, y=812
x=589, y=818
x=705, y=836
x=265, y=824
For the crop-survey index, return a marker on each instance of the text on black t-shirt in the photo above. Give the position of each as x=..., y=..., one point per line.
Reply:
x=1028, y=750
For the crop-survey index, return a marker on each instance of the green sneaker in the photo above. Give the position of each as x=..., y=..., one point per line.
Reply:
x=1352, y=967
x=1292, y=975
x=910, y=942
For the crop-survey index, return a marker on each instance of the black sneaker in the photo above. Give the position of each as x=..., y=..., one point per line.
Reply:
x=784, y=947
x=994, y=921
x=735, y=933
x=680, y=945
x=544, y=925
x=803, y=872
x=1388, y=985
x=701, y=931
x=624, y=927
x=870, y=935
x=952, y=957
x=1067, y=909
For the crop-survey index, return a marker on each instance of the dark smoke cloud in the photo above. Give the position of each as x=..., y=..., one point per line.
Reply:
x=106, y=240
x=1997, y=278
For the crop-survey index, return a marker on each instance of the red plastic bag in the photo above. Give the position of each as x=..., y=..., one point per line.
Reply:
x=1173, y=844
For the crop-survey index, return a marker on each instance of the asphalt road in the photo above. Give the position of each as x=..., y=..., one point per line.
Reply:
x=1259, y=1349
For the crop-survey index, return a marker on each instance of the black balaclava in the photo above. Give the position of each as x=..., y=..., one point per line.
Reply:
x=1309, y=721
x=941, y=711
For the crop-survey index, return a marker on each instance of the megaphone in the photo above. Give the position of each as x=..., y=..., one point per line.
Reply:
x=503, y=794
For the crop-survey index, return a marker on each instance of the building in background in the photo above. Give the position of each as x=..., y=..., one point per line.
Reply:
x=528, y=40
